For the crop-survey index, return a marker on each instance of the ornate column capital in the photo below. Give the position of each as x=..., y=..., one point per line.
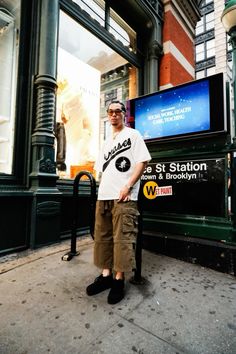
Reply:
x=155, y=50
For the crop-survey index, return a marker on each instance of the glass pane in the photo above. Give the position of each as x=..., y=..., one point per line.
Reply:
x=230, y=66
x=210, y=17
x=200, y=53
x=90, y=75
x=211, y=71
x=94, y=9
x=200, y=74
x=9, y=42
x=210, y=44
x=210, y=48
x=199, y=30
x=199, y=27
x=122, y=31
x=210, y=53
x=229, y=45
x=210, y=25
x=209, y=21
x=199, y=48
x=200, y=56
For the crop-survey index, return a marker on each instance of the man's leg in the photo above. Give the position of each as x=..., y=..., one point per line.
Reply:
x=103, y=248
x=125, y=229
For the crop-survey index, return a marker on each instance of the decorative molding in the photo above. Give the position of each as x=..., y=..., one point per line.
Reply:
x=205, y=64
x=48, y=208
x=118, y=73
x=13, y=191
x=190, y=9
x=45, y=109
x=206, y=36
x=153, y=3
x=155, y=50
x=186, y=15
x=207, y=9
x=229, y=56
x=45, y=102
x=164, y=87
x=158, y=6
x=47, y=166
x=169, y=47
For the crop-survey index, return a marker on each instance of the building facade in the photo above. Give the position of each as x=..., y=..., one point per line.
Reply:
x=213, y=52
x=211, y=41
x=63, y=61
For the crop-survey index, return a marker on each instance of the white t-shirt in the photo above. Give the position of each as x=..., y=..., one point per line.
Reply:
x=117, y=161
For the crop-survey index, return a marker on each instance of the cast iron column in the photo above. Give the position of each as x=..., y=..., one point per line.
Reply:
x=155, y=50
x=154, y=53
x=232, y=40
x=43, y=173
x=46, y=202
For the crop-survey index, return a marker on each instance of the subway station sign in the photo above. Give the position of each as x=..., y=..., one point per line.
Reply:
x=194, y=187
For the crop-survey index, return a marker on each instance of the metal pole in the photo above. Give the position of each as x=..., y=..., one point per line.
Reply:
x=137, y=279
x=232, y=41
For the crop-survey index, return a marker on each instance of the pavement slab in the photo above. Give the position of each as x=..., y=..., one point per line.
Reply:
x=180, y=308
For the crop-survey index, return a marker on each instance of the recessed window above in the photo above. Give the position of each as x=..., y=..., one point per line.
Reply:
x=110, y=20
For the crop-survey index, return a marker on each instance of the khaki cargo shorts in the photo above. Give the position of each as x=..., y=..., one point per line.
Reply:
x=116, y=228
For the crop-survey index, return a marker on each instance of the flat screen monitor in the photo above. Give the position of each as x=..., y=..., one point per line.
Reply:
x=195, y=108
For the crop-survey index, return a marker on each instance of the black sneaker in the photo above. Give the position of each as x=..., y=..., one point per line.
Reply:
x=116, y=293
x=100, y=284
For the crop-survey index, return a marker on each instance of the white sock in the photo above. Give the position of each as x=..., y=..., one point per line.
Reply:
x=106, y=272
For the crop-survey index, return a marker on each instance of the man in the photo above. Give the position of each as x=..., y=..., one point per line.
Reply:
x=121, y=163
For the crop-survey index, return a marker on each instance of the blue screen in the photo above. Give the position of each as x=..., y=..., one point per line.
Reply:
x=181, y=110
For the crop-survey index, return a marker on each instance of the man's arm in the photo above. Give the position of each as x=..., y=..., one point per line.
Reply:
x=138, y=171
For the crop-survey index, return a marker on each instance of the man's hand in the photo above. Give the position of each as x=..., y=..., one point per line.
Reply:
x=125, y=191
x=124, y=194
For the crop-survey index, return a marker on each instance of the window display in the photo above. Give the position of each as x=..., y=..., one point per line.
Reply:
x=89, y=75
x=77, y=114
x=9, y=28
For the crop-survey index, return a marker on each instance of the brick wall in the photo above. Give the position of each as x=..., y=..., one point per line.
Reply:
x=177, y=63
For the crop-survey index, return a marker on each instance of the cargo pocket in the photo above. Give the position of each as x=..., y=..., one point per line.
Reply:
x=129, y=225
x=130, y=221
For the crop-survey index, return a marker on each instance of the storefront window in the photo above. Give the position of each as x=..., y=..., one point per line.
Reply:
x=115, y=24
x=122, y=31
x=90, y=75
x=9, y=29
x=93, y=9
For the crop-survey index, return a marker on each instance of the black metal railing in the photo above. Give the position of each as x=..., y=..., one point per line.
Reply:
x=68, y=256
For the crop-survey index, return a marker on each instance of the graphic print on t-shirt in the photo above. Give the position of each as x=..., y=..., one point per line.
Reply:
x=116, y=150
x=123, y=164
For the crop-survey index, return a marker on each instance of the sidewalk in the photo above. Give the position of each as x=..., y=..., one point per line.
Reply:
x=181, y=308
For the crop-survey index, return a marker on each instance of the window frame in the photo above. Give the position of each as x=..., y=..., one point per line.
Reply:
x=74, y=11
x=23, y=86
x=208, y=62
